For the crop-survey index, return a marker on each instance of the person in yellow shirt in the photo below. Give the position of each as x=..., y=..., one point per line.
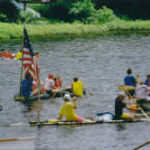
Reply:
x=77, y=87
x=68, y=110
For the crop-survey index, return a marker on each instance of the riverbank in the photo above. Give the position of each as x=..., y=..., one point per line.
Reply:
x=44, y=29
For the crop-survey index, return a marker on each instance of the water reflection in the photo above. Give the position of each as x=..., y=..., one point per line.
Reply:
x=120, y=126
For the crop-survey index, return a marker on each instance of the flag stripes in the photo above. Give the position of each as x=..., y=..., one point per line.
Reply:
x=29, y=61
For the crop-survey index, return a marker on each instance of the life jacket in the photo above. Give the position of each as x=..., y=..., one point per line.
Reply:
x=3, y=55
x=10, y=55
x=77, y=88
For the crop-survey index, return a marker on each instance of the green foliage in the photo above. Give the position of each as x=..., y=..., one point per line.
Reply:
x=77, y=29
x=82, y=10
x=85, y=12
x=56, y=11
x=27, y=16
x=103, y=15
x=124, y=17
x=3, y=17
x=42, y=9
x=60, y=10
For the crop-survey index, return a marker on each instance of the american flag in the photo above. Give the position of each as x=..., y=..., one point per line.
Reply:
x=29, y=61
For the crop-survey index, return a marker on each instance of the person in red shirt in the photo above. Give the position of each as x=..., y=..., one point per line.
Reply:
x=57, y=82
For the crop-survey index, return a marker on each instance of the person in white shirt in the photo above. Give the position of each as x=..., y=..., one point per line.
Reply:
x=141, y=91
x=49, y=84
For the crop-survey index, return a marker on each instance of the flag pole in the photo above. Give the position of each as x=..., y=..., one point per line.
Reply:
x=38, y=77
x=21, y=71
x=38, y=104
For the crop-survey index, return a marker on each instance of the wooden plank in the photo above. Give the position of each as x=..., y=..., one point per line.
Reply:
x=142, y=145
x=17, y=139
x=53, y=123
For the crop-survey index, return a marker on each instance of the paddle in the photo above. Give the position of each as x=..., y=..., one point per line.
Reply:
x=90, y=92
x=146, y=116
x=17, y=139
x=141, y=109
x=142, y=145
x=126, y=87
x=53, y=95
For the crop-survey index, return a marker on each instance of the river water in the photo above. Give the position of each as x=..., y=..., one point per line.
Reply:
x=101, y=63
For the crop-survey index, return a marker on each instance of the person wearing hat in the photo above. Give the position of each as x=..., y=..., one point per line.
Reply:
x=68, y=110
x=120, y=105
x=49, y=84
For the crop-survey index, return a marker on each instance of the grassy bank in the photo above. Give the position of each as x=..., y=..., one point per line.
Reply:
x=14, y=31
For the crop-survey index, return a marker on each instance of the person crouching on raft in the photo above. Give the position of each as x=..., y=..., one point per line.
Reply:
x=120, y=105
x=49, y=84
x=68, y=110
x=77, y=87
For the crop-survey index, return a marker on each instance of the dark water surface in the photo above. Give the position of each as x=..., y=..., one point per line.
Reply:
x=101, y=63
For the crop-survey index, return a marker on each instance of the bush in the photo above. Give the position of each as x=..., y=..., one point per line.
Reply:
x=56, y=11
x=103, y=15
x=82, y=10
x=27, y=16
x=3, y=17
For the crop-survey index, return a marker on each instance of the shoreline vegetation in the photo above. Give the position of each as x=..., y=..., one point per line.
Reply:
x=68, y=19
x=10, y=31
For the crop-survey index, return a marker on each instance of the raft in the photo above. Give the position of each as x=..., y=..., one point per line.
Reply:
x=100, y=118
x=71, y=123
x=45, y=96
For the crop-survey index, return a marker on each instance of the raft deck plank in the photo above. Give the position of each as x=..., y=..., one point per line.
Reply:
x=59, y=123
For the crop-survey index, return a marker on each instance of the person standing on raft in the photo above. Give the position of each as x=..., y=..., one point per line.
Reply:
x=26, y=88
x=130, y=80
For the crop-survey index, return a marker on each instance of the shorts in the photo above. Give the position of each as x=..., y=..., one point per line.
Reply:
x=49, y=92
x=130, y=92
x=80, y=119
x=125, y=116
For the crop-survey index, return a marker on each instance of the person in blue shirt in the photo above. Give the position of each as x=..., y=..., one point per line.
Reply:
x=26, y=88
x=131, y=81
x=147, y=81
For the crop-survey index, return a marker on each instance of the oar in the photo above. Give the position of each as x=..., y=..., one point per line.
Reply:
x=146, y=116
x=53, y=95
x=90, y=92
x=17, y=139
x=125, y=87
x=142, y=145
x=141, y=109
